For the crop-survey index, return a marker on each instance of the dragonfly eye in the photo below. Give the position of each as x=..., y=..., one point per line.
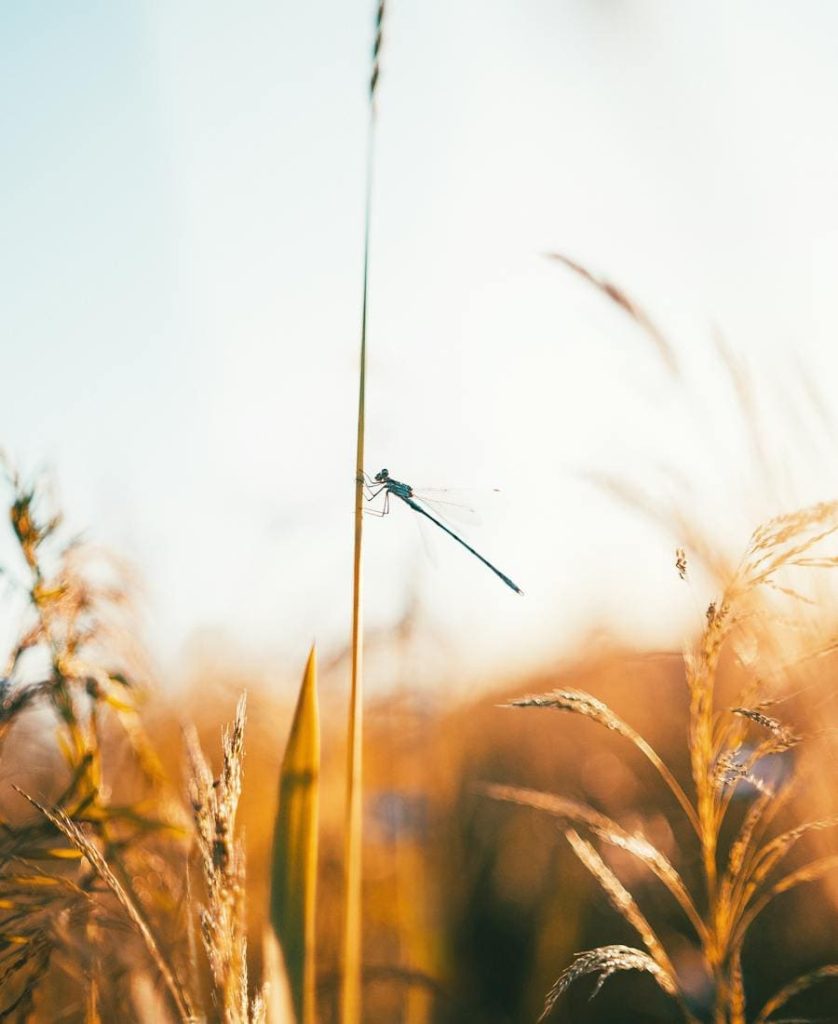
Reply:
x=382, y=475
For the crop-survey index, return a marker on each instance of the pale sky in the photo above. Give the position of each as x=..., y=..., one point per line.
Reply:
x=181, y=189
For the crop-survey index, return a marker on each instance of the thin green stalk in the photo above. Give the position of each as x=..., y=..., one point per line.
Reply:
x=351, y=977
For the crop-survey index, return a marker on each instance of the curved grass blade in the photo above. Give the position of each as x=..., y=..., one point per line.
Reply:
x=294, y=865
x=276, y=991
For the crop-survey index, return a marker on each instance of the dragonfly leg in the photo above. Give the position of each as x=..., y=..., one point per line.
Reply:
x=373, y=494
x=385, y=508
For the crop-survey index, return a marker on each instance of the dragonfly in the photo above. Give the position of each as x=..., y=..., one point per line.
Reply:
x=383, y=482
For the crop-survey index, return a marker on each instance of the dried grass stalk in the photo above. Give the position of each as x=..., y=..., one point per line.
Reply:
x=784, y=737
x=221, y=857
x=132, y=910
x=610, y=832
x=580, y=702
x=794, y=988
x=628, y=306
x=621, y=899
x=737, y=1010
x=806, y=873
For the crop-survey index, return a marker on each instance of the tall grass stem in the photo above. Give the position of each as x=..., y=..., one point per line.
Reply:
x=351, y=976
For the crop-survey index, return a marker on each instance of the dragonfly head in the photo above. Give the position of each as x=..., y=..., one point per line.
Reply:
x=382, y=476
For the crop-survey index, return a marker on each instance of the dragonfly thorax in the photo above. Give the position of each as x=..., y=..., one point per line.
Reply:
x=394, y=486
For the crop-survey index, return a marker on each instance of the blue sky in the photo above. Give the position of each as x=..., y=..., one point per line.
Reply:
x=181, y=192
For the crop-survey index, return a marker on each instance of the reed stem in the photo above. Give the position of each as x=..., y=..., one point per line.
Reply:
x=350, y=1000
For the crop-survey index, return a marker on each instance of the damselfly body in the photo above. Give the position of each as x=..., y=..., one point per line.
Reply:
x=385, y=483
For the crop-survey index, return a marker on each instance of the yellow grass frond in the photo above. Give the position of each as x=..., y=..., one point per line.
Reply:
x=810, y=872
x=768, y=856
x=794, y=988
x=581, y=703
x=132, y=909
x=610, y=832
x=621, y=899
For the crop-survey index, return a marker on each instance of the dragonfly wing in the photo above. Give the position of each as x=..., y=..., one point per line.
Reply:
x=450, y=511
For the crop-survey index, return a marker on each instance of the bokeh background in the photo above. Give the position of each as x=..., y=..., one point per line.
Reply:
x=181, y=194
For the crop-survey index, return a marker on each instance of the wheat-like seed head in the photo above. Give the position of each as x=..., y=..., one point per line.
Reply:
x=605, y=961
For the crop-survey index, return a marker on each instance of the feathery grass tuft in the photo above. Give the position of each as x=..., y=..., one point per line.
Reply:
x=220, y=853
x=71, y=830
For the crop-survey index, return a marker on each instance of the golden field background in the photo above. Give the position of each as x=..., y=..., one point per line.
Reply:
x=472, y=907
